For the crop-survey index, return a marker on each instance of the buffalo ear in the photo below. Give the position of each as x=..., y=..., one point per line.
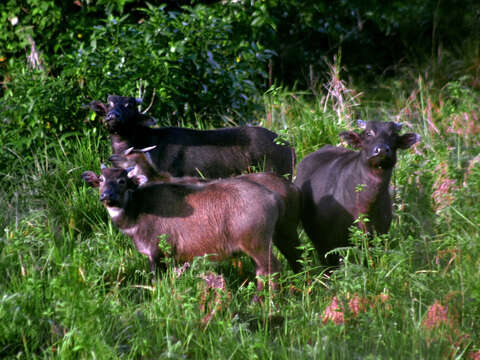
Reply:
x=352, y=138
x=92, y=179
x=146, y=120
x=139, y=179
x=407, y=140
x=98, y=107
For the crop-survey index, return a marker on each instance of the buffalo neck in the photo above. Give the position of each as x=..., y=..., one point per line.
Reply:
x=119, y=143
x=125, y=215
x=372, y=184
x=136, y=135
x=377, y=177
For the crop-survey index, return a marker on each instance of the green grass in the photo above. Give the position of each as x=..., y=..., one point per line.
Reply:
x=74, y=287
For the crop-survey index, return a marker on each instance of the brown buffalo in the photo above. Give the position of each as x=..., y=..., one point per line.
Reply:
x=140, y=165
x=218, y=218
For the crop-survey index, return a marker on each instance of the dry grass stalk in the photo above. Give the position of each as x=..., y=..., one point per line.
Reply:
x=466, y=125
x=335, y=311
x=471, y=164
x=441, y=316
x=33, y=59
x=444, y=188
x=212, y=292
x=341, y=98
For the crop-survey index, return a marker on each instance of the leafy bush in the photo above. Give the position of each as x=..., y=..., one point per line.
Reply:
x=373, y=35
x=188, y=57
x=24, y=19
x=191, y=59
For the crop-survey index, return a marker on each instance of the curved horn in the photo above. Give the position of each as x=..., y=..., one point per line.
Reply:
x=147, y=149
x=128, y=151
x=361, y=124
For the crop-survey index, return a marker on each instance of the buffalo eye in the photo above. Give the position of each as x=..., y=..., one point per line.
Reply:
x=122, y=181
x=370, y=133
x=101, y=178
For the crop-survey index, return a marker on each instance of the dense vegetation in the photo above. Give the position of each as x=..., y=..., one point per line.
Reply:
x=73, y=286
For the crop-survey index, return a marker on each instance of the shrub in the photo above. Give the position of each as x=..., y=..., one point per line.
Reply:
x=191, y=59
x=188, y=57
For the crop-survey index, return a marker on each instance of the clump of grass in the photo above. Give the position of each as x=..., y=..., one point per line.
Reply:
x=312, y=120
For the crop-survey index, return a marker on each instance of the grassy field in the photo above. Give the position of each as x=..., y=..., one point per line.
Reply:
x=72, y=286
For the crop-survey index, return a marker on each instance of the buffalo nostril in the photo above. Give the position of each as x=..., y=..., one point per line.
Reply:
x=382, y=149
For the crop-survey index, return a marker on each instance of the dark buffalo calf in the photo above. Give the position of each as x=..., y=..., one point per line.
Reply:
x=338, y=185
x=186, y=152
x=218, y=218
x=139, y=163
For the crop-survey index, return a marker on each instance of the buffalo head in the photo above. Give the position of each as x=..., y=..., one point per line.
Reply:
x=121, y=113
x=114, y=185
x=379, y=142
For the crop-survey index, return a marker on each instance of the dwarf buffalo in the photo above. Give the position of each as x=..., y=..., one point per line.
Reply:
x=186, y=152
x=139, y=163
x=218, y=218
x=338, y=185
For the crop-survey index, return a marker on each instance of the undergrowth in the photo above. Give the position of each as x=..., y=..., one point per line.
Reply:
x=73, y=286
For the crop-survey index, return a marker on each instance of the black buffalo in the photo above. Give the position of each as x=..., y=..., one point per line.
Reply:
x=186, y=152
x=340, y=184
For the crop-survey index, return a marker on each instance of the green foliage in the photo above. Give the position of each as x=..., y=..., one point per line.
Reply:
x=37, y=107
x=162, y=50
x=302, y=32
x=117, y=56
x=73, y=286
x=42, y=21
x=68, y=273
x=26, y=19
